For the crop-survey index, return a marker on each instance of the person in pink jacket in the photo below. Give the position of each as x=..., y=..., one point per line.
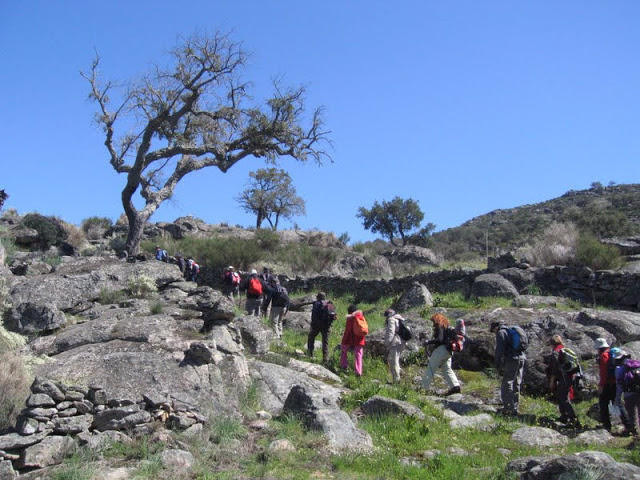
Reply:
x=351, y=341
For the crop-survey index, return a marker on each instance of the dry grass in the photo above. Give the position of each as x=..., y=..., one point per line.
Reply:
x=14, y=387
x=557, y=246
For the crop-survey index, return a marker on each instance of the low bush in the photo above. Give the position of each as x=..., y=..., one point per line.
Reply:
x=156, y=308
x=14, y=387
x=94, y=227
x=50, y=230
x=141, y=286
x=557, y=246
x=75, y=236
x=267, y=239
x=109, y=297
x=593, y=254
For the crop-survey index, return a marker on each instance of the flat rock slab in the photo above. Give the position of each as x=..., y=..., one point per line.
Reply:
x=15, y=441
x=539, y=437
x=483, y=422
x=594, y=437
x=177, y=459
x=51, y=451
x=320, y=413
x=588, y=464
x=379, y=405
x=314, y=370
x=275, y=382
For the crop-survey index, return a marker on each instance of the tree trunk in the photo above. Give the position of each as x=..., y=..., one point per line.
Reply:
x=134, y=236
x=275, y=226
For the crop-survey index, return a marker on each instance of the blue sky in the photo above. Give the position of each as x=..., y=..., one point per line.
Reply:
x=465, y=106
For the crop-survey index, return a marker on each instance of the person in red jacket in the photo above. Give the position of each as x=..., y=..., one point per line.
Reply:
x=607, y=382
x=351, y=341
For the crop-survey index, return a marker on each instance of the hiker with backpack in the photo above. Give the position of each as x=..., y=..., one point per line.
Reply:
x=323, y=313
x=563, y=366
x=619, y=357
x=279, y=306
x=353, y=339
x=510, y=359
x=253, y=287
x=231, y=281
x=266, y=278
x=395, y=336
x=607, y=381
x=629, y=378
x=161, y=254
x=182, y=263
x=444, y=337
x=192, y=270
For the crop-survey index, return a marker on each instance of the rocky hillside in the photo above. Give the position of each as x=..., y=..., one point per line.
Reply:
x=154, y=377
x=604, y=211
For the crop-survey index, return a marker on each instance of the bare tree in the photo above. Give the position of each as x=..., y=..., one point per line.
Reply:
x=193, y=115
x=271, y=195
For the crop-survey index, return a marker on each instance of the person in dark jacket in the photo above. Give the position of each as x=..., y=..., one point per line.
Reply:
x=511, y=365
x=320, y=323
x=266, y=278
x=561, y=381
x=607, y=381
x=279, y=306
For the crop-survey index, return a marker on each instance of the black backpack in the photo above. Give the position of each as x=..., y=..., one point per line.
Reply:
x=404, y=332
x=280, y=298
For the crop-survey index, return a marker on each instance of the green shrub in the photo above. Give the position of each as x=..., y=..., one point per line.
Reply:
x=267, y=239
x=141, y=286
x=213, y=253
x=50, y=230
x=306, y=259
x=156, y=308
x=94, y=227
x=9, y=248
x=108, y=296
x=100, y=222
x=14, y=387
x=593, y=254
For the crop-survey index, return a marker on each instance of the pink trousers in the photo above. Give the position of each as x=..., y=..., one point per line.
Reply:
x=357, y=357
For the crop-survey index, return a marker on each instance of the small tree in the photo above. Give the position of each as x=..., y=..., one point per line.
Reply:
x=3, y=197
x=271, y=196
x=192, y=115
x=395, y=218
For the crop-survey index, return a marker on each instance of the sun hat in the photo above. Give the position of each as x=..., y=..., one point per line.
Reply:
x=615, y=352
x=230, y=267
x=254, y=271
x=601, y=343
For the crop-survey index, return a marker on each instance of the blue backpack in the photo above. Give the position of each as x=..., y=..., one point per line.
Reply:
x=518, y=340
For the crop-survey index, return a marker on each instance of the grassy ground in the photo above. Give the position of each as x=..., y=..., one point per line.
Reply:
x=228, y=449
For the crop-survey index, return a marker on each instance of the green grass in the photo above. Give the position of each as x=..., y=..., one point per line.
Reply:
x=227, y=449
x=78, y=466
x=458, y=300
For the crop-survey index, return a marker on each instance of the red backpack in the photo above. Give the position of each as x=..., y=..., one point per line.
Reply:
x=255, y=287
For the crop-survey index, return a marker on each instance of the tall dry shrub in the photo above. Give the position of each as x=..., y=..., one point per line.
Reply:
x=557, y=246
x=14, y=387
x=75, y=236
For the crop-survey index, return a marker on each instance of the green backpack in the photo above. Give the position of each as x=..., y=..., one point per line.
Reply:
x=569, y=362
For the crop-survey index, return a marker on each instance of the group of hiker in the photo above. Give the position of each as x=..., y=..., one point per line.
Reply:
x=618, y=383
x=264, y=295
x=619, y=375
x=188, y=266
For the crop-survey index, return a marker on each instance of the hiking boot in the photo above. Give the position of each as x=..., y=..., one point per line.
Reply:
x=452, y=391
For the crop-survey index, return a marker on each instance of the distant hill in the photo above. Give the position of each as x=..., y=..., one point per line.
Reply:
x=604, y=211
